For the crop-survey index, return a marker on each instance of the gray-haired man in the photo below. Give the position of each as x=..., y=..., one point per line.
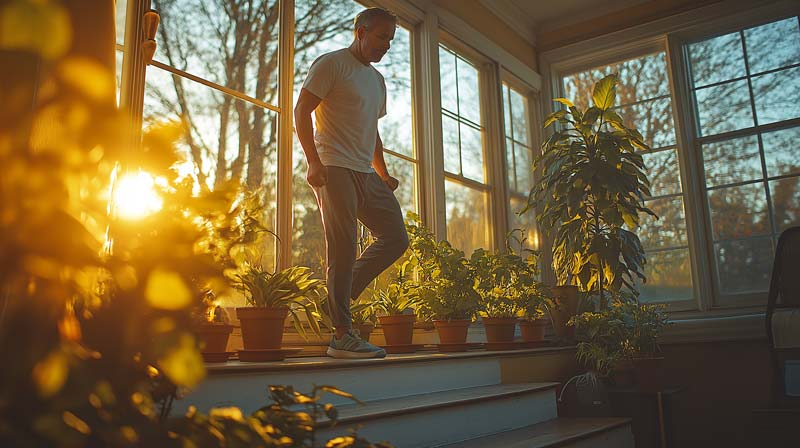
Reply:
x=347, y=171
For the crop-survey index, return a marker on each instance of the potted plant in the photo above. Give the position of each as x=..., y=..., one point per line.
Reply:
x=591, y=189
x=212, y=328
x=397, y=303
x=362, y=312
x=444, y=283
x=272, y=297
x=623, y=335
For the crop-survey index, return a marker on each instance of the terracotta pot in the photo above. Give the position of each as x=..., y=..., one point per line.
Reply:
x=533, y=330
x=364, y=330
x=623, y=374
x=398, y=329
x=452, y=331
x=566, y=301
x=499, y=329
x=262, y=328
x=649, y=373
x=214, y=337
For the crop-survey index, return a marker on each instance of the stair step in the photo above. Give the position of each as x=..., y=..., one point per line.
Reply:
x=434, y=419
x=561, y=432
x=245, y=384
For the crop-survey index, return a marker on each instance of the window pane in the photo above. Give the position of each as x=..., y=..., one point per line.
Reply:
x=506, y=111
x=669, y=230
x=653, y=119
x=450, y=143
x=396, y=127
x=472, y=153
x=225, y=138
x=772, y=46
x=777, y=95
x=732, y=161
x=663, y=172
x=519, y=115
x=121, y=16
x=469, y=102
x=716, y=60
x=119, y=56
x=785, y=194
x=744, y=266
x=738, y=212
x=467, y=226
x=403, y=170
x=447, y=71
x=233, y=47
x=525, y=222
x=781, y=151
x=512, y=183
x=524, y=170
x=724, y=108
x=669, y=277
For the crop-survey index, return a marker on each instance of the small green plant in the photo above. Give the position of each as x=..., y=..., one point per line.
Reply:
x=400, y=295
x=625, y=330
x=290, y=288
x=592, y=190
x=445, y=283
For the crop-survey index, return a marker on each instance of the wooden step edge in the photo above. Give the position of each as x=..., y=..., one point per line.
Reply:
x=550, y=434
x=320, y=363
x=391, y=407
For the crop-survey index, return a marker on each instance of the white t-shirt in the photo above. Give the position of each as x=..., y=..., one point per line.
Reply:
x=353, y=99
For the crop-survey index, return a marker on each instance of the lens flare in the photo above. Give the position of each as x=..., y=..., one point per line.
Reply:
x=135, y=196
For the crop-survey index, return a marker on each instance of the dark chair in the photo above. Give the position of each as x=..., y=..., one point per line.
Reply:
x=783, y=320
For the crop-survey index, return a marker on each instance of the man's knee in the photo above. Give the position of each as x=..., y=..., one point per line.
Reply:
x=401, y=244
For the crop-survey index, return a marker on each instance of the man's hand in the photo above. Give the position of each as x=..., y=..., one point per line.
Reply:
x=390, y=182
x=317, y=174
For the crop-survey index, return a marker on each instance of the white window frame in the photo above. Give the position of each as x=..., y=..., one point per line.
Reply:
x=671, y=33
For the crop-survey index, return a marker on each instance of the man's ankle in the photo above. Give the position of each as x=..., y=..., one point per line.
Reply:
x=340, y=333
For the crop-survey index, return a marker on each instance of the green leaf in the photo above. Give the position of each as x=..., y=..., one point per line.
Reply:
x=605, y=92
x=592, y=114
x=555, y=116
x=564, y=101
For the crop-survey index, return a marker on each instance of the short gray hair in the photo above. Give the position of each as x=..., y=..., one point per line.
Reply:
x=368, y=16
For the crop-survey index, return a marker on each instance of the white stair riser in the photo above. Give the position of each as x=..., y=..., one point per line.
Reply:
x=621, y=437
x=445, y=425
x=249, y=391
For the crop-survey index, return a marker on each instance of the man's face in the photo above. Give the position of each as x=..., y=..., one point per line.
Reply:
x=374, y=41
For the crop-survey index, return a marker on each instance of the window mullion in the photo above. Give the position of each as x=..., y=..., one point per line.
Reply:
x=284, y=207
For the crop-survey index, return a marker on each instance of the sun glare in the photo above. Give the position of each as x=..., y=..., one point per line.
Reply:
x=135, y=196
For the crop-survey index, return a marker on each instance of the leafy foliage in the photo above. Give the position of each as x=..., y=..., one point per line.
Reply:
x=401, y=294
x=592, y=189
x=444, y=281
x=625, y=330
x=507, y=284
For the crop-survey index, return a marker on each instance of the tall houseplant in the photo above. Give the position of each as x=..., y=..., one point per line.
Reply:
x=591, y=190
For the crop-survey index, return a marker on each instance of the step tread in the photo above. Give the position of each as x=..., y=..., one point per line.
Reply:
x=318, y=363
x=549, y=434
x=416, y=403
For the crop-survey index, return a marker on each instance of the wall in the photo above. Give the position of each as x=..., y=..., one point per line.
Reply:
x=490, y=26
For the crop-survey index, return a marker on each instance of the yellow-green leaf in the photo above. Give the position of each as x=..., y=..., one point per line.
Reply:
x=565, y=102
x=74, y=422
x=605, y=92
x=183, y=365
x=50, y=373
x=167, y=290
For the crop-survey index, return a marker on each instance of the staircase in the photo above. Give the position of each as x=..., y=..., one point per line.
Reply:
x=473, y=399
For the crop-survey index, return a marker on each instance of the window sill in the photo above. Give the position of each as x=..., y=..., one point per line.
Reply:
x=716, y=329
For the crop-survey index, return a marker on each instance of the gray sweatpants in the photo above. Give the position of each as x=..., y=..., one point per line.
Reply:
x=346, y=197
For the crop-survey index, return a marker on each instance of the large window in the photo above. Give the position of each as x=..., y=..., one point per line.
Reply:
x=644, y=103
x=519, y=161
x=466, y=189
x=219, y=83
x=745, y=90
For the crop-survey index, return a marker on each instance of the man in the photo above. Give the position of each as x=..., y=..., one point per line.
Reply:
x=347, y=171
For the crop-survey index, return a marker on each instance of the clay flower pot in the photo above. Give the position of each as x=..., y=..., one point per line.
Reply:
x=499, y=329
x=566, y=301
x=452, y=331
x=533, y=330
x=262, y=328
x=214, y=337
x=398, y=329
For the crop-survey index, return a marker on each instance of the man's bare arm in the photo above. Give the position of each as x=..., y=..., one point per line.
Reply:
x=306, y=103
x=379, y=164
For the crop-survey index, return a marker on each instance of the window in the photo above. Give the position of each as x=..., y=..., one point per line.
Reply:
x=745, y=89
x=335, y=25
x=219, y=82
x=643, y=100
x=466, y=189
x=121, y=8
x=519, y=161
